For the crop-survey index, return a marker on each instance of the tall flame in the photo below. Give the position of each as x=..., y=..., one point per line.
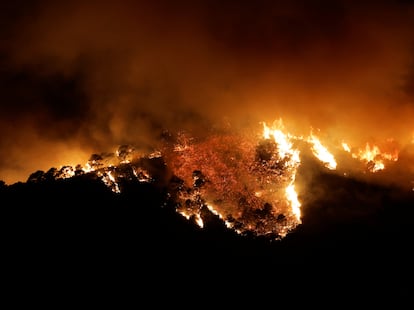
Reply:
x=286, y=150
x=283, y=141
x=292, y=196
x=322, y=152
x=346, y=147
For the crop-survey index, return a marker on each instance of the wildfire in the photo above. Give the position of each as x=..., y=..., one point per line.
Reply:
x=247, y=181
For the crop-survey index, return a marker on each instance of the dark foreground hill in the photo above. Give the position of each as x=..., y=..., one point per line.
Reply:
x=76, y=235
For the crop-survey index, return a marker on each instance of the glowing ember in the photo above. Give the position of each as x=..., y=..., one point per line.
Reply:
x=65, y=172
x=110, y=181
x=227, y=223
x=111, y=168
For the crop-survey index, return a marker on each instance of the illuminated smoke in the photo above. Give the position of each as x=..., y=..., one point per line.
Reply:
x=80, y=77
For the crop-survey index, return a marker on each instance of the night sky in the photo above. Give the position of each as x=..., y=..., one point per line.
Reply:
x=79, y=78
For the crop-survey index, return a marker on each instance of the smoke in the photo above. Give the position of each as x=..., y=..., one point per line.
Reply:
x=79, y=78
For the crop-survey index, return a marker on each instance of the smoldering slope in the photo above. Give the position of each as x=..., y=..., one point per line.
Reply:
x=80, y=78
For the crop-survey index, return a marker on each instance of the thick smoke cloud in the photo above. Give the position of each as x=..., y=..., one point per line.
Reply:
x=78, y=78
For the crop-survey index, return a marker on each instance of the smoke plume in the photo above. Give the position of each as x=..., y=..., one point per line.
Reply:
x=79, y=78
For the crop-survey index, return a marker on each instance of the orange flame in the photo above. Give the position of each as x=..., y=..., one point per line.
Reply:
x=292, y=196
x=322, y=152
x=286, y=150
x=374, y=157
x=346, y=147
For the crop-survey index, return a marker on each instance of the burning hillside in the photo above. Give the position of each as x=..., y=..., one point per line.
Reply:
x=247, y=179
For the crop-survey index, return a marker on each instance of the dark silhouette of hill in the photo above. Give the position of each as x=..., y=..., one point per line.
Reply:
x=355, y=241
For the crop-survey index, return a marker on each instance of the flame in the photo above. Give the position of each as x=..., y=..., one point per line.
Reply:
x=375, y=159
x=285, y=142
x=286, y=149
x=188, y=214
x=215, y=212
x=292, y=196
x=282, y=139
x=346, y=147
x=110, y=181
x=321, y=152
